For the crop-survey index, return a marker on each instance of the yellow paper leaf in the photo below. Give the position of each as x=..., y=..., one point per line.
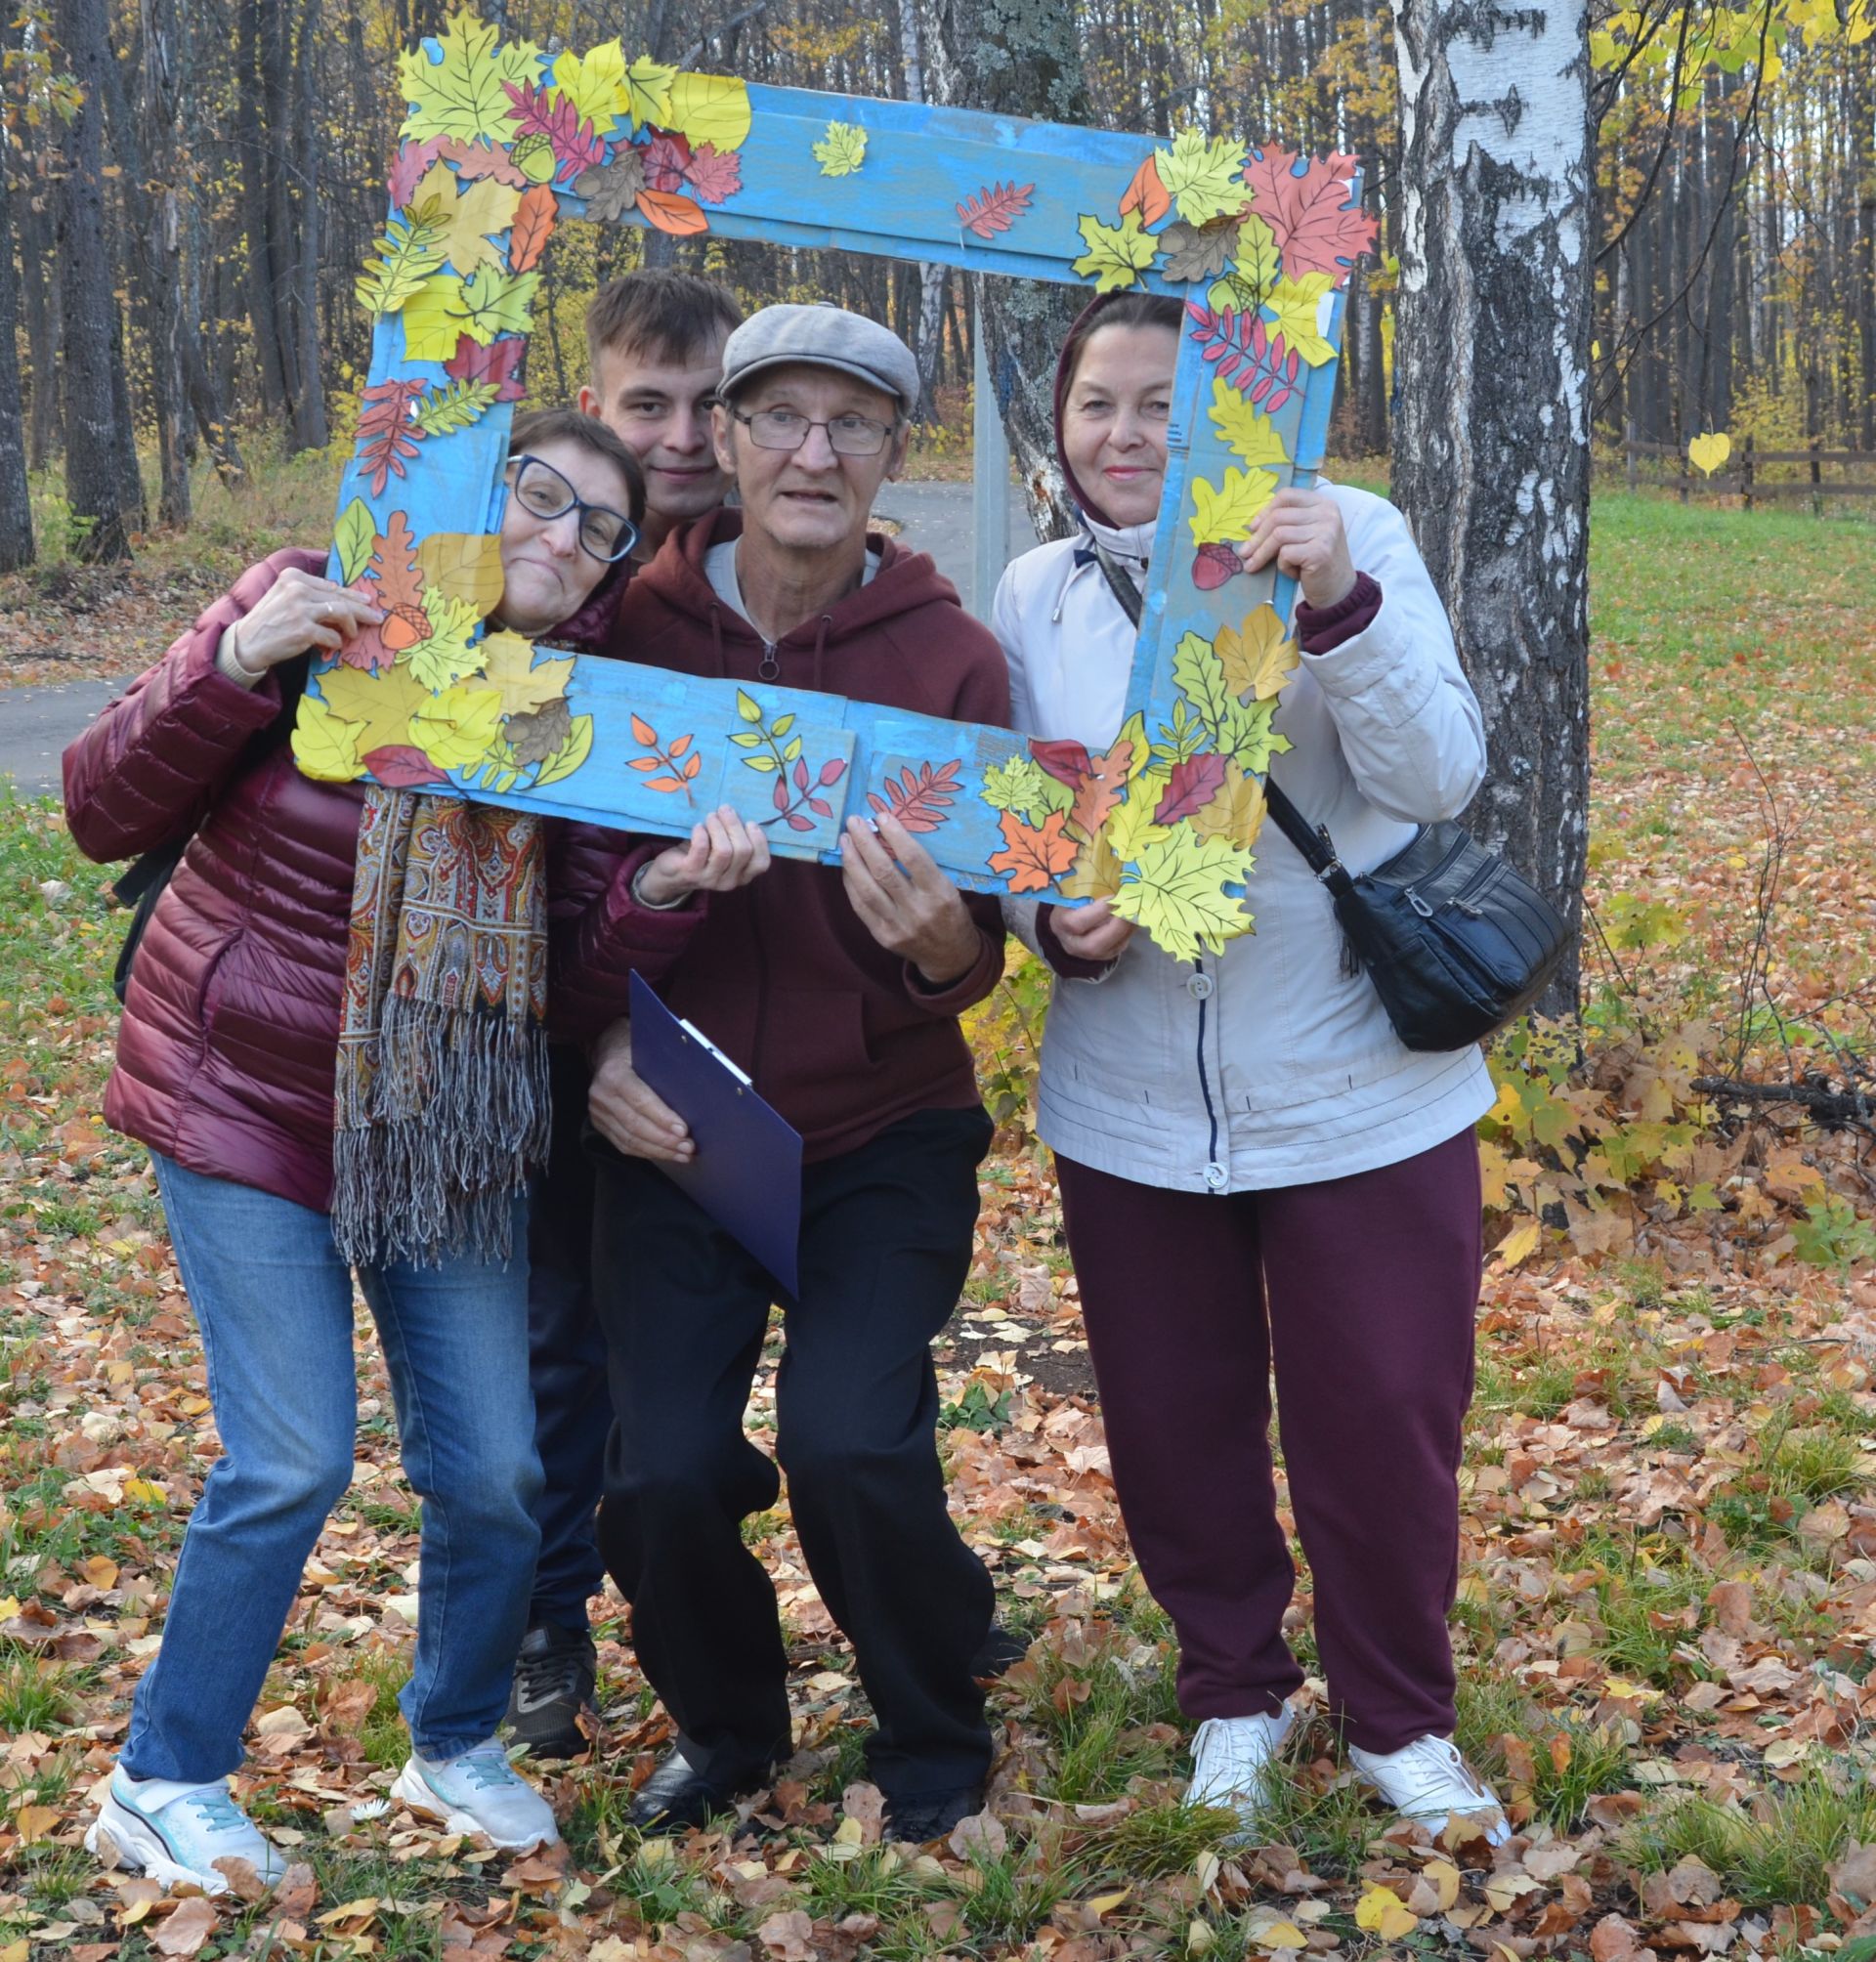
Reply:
x=1174, y=892
x=1708, y=452
x=1248, y=433
x=432, y=317
x=325, y=748
x=465, y=94
x=445, y=655
x=1519, y=1245
x=708, y=108
x=1204, y=175
x=1096, y=872
x=1259, y=656
x=842, y=150
x=526, y=690
x=595, y=83
x=382, y=705
x=1221, y=514
x=1381, y=1912
x=468, y=216
x=1117, y=254
x=1236, y=812
x=455, y=728
x=464, y=566
x=647, y=94
x=1298, y=305
x=1131, y=828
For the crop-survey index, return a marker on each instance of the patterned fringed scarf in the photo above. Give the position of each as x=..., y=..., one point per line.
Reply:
x=443, y=1096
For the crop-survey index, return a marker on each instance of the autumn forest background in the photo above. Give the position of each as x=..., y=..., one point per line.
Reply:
x=1667, y=1608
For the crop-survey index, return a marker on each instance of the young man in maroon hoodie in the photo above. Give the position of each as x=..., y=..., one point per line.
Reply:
x=838, y=990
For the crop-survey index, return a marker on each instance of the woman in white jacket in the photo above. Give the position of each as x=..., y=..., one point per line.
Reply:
x=1253, y=1167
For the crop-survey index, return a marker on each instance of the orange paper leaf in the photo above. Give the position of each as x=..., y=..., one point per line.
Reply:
x=1034, y=859
x=535, y=219
x=1147, y=194
x=670, y=212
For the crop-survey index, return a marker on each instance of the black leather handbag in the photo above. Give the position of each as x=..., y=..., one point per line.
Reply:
x=1456, y=941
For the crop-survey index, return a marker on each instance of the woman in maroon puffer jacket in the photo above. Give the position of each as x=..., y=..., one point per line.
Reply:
x=226, y=1063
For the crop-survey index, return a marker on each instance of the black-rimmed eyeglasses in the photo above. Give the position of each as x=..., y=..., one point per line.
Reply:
x=788, y=429
x=543, y=492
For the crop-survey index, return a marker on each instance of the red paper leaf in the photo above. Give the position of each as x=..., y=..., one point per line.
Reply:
x=921, y=803
x=408, y=167
x=534, y=220
x=367, y=649
x=798, y=823
x=500, y=362
x=1246, y=354
x=670, y=213
x=1147, y=194
x=1317, y=228
x=667, y=161
x=781, y=794
x=481, y=159
x=801, y=774
x=643, y=732
x=821, y=805
x=575, y=143
x=387, y=436
x=833, y=770
x=400, y=766
x=1193, y=785
x=714, y=174
x=1214, y=566
x=1066, y=761
x=996, y=208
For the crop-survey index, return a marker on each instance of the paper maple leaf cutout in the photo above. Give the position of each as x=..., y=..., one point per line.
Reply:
x=1033, y=858
x=464, y=219
x=714, y=174
x=842, y=150
x=466, y=93
x=1257, y=657
x=500, y=362
x=1316, y=228
x=1116, y=255
x=525, y=688
x=1175, y=892
x=1203, y=175
x=382, y=705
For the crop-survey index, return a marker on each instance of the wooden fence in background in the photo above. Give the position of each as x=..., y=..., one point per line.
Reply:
x=1666, y=465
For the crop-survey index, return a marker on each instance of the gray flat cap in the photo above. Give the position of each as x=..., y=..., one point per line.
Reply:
x=822, y=336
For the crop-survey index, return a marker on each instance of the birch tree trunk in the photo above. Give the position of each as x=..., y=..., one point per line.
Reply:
x=15, y=508
x=1020, y=58
x=931, y=277
x=1491, y=432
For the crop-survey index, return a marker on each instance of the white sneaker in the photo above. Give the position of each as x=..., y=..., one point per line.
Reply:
x=1428, y=1780
x=1232, y=1759
x=175, y=1832
x=479, y=1792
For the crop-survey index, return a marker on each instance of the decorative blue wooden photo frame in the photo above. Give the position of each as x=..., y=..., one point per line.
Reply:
x=502, y=144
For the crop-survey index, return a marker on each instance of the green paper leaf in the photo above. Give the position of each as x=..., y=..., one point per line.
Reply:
x=465, y=94
x=1117, y=254
x=497, y=303
x=1205, y=175
x=842, y=150
x=354, y=535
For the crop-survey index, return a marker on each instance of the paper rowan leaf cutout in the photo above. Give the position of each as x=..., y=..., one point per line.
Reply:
x=534, y=220
x=466, y=218
x=1251, y=436
x=1203, y=175
x=1236, y=811
x=1257, y=657
x=1033, y=857
x=611, y=189
x=465, y=94
x=524, y=688
x=1147, y=194
x=1221, y=513
x=500, y=362
x=386, y=440
x=669, y=212
x=842, y=150
x=921, y=801
x=1246, y=354
x=326, y=748
x=1317, y=228
x=1195, y=781
x=1296, y=305
x=995, y=208
x=407, y=251
x=708, y=108
x=1116, y=255
x=1175, y=893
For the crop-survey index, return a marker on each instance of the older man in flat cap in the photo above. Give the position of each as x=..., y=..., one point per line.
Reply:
x=839, y=991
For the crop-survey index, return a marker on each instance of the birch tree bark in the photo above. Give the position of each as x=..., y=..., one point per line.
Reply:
x=1020, y=58
x=1491, y=432
x=931, y=277
x=15, y=508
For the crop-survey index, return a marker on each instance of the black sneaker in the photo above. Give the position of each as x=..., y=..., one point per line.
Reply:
x=1001, y=1652
x=555, y=1676
x=916, y=1819
x=678, y=1796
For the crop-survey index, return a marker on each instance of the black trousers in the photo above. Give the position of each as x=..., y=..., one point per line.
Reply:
x=885, y=1247
x=566, y=1357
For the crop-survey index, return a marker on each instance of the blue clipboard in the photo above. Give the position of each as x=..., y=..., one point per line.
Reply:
x=747, y=1175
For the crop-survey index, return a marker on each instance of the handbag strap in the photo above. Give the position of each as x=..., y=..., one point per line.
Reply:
x=1316, y=846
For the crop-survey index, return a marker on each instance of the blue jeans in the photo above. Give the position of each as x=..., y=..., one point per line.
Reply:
x=273, y=1300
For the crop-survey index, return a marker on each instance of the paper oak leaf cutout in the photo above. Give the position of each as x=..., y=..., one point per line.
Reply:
x=1221, y=513
x=995, y=208
x=1249, y=434
x=1116, y=255
x=842, y=150
x=1033, y=858
x=920, y=800
x=1317, y=228
x=611, y=189
x=477, y=160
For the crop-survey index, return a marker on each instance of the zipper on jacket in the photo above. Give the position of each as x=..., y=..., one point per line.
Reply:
x=770, y=666
x=1205, y=1081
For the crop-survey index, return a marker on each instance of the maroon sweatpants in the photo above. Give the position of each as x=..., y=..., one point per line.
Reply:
x=1362, y=1290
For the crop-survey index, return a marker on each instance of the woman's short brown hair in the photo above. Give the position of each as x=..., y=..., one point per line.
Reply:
x=1117, y=309
x=570, y=425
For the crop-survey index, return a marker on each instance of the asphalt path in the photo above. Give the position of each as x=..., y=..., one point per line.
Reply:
x=37, y=722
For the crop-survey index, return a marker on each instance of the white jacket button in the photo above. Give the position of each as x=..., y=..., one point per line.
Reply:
x=1216, y=1177
x=1199, y=987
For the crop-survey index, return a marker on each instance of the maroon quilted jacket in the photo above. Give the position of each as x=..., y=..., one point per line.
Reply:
x=229, y=1034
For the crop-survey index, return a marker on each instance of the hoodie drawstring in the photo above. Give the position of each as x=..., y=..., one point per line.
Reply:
x=717, y=641
x=820, y=648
